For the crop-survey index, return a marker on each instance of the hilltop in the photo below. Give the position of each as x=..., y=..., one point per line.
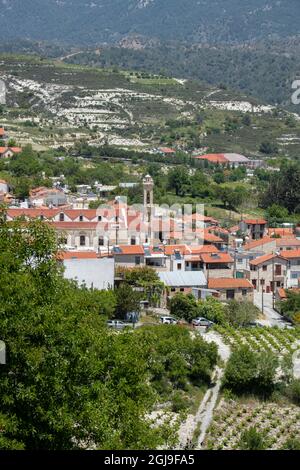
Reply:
x=211, y=21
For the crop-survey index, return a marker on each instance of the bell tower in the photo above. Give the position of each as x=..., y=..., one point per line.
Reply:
x=148, y=185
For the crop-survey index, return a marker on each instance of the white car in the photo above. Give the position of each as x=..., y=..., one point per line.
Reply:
x=202, y=322
x=168, y=321
x=116, y=324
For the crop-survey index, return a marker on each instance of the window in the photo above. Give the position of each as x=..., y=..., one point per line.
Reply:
x=99, y=218
x=244, y=292
x=179, y=266
x=173, y=289
x=101, y=241
x=295, y=275
x=265, y=267
x=137, y=260
x=181, y=289
x=278, y=283
x=240, y=260
x=82, y=240
x=61, y=217
x=133, y=241
x=81, y=218
x=278, y=269
x=42, y=217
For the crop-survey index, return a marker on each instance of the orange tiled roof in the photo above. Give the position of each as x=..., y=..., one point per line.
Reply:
x=283, y=232
x=215, y=258
x=264, y=259
x=287, y=242
x=131, y=250
x=260, y=242
x=255, y=221
x=204, y=249
x=290, y=254
x=33, y=213
x=77, y=255
x=213, y=158
x=183, y=249
x=229, y=283
x=211, y=237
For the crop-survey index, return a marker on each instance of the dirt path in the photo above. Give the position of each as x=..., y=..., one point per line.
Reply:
x=205, y=411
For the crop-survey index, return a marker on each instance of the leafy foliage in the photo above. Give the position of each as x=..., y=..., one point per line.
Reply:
x=248, y=371
x=252, y=439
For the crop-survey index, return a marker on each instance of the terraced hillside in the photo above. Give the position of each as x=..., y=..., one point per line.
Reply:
x=52, y=104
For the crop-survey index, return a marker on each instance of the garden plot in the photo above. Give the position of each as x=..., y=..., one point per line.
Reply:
x=232, y=418
x=261, y=339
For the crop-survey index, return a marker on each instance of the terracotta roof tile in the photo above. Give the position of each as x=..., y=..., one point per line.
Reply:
x=229, y=283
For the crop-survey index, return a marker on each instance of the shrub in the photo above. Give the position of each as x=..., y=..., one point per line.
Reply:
x=252, y=439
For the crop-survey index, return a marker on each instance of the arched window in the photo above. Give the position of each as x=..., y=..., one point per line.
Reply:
x=81, y=218
x=61, y=217
x=82, y=240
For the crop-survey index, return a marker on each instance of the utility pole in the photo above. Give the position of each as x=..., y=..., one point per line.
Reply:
x=262, y=295
x=273, y=291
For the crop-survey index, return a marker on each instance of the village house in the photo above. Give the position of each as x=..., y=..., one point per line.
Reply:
x=234, y=160
x=8, y=152
x=3, y=134
x=217, y=265
x=255, y=229
x=268, y=272
x=293, y=267
x=47, y=197
x=183, y=282
x=232, y=289
x=285, y=244
x=265, y=245
x=89, y=269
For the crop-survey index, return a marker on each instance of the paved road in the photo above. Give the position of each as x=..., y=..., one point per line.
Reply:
x=272, y=318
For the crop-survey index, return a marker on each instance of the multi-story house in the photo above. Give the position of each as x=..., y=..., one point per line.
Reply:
x=255, y=229
x=269, y=272
x=293, y=267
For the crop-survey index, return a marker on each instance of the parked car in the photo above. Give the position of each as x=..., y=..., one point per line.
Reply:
x=202, y=322
x=116, y=324
x=168, y=320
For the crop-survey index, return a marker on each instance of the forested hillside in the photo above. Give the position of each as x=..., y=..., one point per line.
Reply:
x=193, y=20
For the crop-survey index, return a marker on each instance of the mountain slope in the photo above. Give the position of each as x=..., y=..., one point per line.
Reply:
x=110, y=20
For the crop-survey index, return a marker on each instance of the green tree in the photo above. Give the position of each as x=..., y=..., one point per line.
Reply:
x=128, y=300
x=250, y=372
x=241, y=313
x=283, y=189
x=268, y=148
x=178, y=180
x=69, y=382
x=276, y=214
x=184, y=306
x=213, y=310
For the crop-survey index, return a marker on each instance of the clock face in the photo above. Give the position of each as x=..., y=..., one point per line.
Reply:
x=2, y=92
